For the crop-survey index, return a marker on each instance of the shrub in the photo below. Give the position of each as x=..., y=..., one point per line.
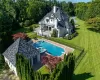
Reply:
x=69, y=37
x=55, y=33
x=95, y=23
x=27, y=23
x=35, y=25
x=2, y=62
x=21, y=24
x=31, y=28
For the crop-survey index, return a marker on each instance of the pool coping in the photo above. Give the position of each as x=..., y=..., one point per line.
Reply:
x=67, y=49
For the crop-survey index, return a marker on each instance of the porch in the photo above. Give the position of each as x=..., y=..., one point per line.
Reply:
x=45, y=30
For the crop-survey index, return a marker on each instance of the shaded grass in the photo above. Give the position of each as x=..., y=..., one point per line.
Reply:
x=83, y=76
x=90, y=41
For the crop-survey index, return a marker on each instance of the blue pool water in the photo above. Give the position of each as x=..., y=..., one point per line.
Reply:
x=51, y=49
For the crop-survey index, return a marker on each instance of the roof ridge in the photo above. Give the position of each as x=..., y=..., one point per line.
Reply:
x=12, y=44
x=19, y=43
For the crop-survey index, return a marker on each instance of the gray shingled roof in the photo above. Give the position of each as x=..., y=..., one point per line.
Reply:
x=58, y=14
x=22, y=47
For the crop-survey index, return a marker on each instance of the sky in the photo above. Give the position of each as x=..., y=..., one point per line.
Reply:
x=75, y=1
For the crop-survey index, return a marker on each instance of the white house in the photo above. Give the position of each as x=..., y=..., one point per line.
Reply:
x=20, y=46
x=55, y=19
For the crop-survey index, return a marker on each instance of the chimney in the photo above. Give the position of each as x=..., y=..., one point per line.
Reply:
x=54, y=9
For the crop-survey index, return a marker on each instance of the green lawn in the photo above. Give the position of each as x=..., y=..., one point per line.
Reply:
x=44, y=70
x=89, y=68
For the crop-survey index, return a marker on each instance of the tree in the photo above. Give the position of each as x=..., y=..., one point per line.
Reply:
x=54, y=33
x=95, y=23
x=51, y=61
x=2, y=62
x=68, y=8
x=71, y=9
x=21, y=6
x=73, y=24
x=20, y=35
x=24, y=68
x=64, y=70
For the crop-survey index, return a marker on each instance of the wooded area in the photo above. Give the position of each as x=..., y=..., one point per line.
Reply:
x=89, y=12
x=22, y=13
x=15, y=14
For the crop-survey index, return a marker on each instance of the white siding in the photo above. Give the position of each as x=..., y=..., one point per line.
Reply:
x=12, y=67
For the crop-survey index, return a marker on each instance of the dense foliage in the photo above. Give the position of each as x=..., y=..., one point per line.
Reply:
x=63, y=70
x=90, y=12
x=19, y=13
x=2, y=62
x=25, y=70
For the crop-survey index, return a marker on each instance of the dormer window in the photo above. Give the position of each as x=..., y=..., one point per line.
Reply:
x=47, y=20
x=52, y=15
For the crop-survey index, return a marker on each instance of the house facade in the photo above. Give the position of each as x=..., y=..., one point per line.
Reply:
x=58, y=20
x=20, y=46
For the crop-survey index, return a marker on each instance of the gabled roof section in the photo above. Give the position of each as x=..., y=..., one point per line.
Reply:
x=58, y=14
x=10, y=53
x=27, y=49
x=22, y=47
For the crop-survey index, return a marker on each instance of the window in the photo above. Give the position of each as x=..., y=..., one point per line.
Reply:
x=52, y=15
x=51, y=20
x=47, y=20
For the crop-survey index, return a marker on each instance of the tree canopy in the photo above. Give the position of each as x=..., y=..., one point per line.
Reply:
x=90, y=12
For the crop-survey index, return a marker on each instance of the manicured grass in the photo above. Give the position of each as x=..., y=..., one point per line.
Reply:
x=44, y=70
x=89, y=68
x=76, y=53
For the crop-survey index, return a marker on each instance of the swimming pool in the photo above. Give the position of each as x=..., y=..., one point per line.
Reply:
x=51, y=49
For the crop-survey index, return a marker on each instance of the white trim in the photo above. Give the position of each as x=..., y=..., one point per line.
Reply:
x=11, y=66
